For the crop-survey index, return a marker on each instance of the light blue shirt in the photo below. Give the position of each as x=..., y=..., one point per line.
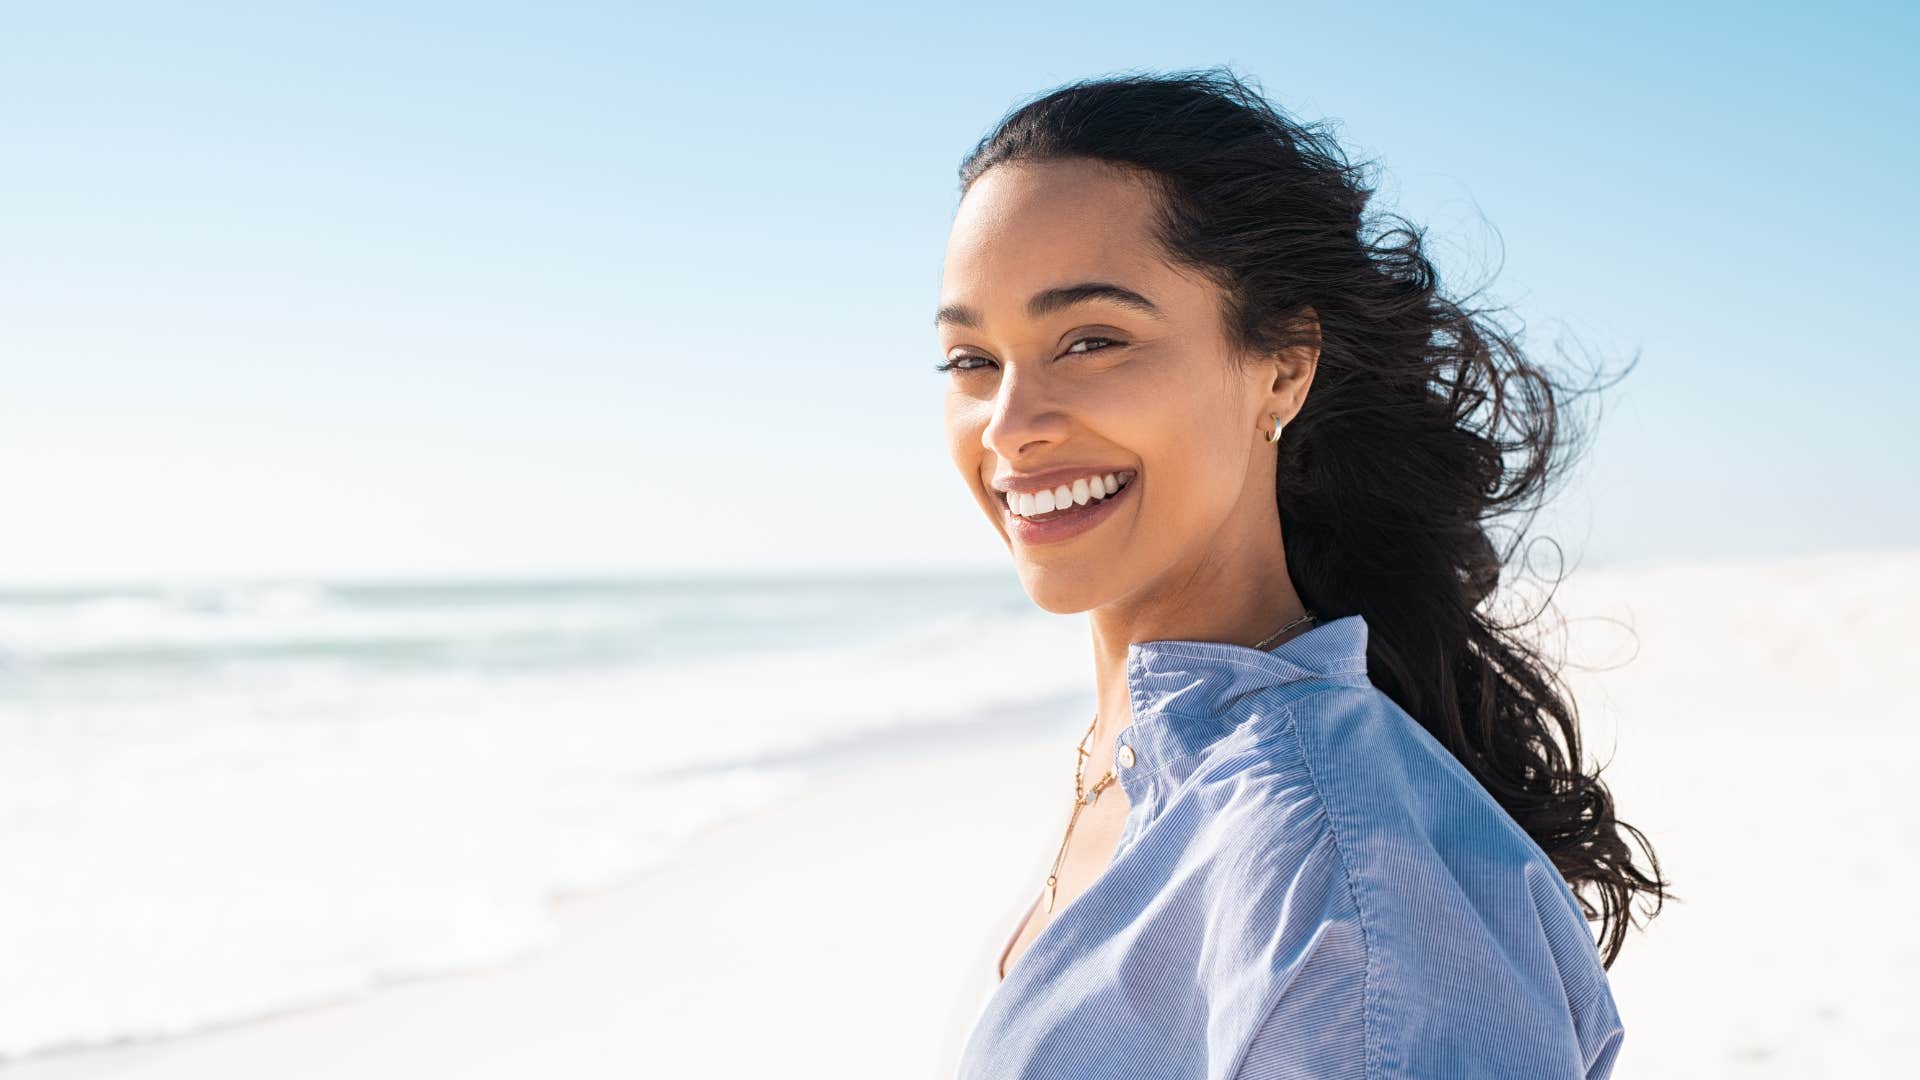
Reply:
x=1308, y=886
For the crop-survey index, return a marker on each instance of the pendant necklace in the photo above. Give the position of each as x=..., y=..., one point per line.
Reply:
x=1081, y=797
x=1084, y=796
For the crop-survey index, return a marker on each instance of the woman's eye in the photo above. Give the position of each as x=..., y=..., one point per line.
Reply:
x=957, y=363
x=961, y=363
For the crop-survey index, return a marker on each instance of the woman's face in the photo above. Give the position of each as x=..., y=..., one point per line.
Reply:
x=1049, y=387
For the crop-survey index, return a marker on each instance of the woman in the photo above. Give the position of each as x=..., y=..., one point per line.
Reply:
x=1332, y=812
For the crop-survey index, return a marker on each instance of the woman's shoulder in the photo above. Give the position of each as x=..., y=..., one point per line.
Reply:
x=1465, y=919
x=1412, y=821
x=1379, y=771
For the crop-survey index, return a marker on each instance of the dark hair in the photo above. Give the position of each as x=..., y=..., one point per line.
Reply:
x=1399, y=460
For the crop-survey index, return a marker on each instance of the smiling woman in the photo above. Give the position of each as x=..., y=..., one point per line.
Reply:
x=1330, y=815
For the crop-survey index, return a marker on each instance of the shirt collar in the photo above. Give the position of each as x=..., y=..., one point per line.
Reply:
x=1184, y=693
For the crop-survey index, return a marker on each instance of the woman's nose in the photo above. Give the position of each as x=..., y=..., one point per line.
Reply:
x=1023, y=414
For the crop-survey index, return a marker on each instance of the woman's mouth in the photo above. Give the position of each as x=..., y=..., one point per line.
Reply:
x=1078, y=510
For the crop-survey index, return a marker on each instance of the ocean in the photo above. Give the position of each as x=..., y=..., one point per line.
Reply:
x=223, y=800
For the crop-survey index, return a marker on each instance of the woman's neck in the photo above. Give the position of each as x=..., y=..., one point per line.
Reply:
x=1237, y=601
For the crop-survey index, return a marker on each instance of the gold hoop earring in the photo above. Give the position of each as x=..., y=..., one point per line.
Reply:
x=1274, y=435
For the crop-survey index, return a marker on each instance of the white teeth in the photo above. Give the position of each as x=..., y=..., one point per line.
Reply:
x=1079, y=493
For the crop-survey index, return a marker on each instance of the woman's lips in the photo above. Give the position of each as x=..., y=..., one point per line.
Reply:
x=1060, y=526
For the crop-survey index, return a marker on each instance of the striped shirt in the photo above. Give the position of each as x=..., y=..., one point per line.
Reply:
x=1308, y=886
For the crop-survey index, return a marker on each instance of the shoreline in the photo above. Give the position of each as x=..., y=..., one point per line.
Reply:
x=780, y=924
x=849, y=929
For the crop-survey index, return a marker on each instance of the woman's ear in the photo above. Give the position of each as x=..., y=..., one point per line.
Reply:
x=1295, y=364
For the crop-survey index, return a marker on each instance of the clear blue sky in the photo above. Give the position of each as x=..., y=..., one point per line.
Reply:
x=370, y=289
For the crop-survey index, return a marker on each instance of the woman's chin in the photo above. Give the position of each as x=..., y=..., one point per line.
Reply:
x=1064, y=590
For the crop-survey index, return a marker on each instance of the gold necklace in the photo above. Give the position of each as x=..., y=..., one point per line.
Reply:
x=1309, y=617
x=1082, y=796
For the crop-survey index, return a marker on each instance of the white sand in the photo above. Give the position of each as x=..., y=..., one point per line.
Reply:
x=850, y=932
x=1768, y=735
x=1764, y=738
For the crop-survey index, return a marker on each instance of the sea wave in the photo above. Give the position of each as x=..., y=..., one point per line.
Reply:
x=215, y=833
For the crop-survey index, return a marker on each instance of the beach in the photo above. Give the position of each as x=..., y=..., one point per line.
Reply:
x=1757, y=717
x=849, y=933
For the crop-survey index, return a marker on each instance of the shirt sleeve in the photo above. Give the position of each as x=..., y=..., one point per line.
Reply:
x=1474, y=1017
x=1456, y=950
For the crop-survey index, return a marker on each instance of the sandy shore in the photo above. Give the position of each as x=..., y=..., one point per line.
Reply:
x=1759, y=721
x=849, y=932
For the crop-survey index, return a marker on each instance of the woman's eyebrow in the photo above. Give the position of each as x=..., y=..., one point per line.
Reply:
x=1048, y=301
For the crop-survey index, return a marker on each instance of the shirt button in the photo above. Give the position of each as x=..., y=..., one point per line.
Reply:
x=1126, y=756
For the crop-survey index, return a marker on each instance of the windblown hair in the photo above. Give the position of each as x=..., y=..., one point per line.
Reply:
x=1425, y=425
